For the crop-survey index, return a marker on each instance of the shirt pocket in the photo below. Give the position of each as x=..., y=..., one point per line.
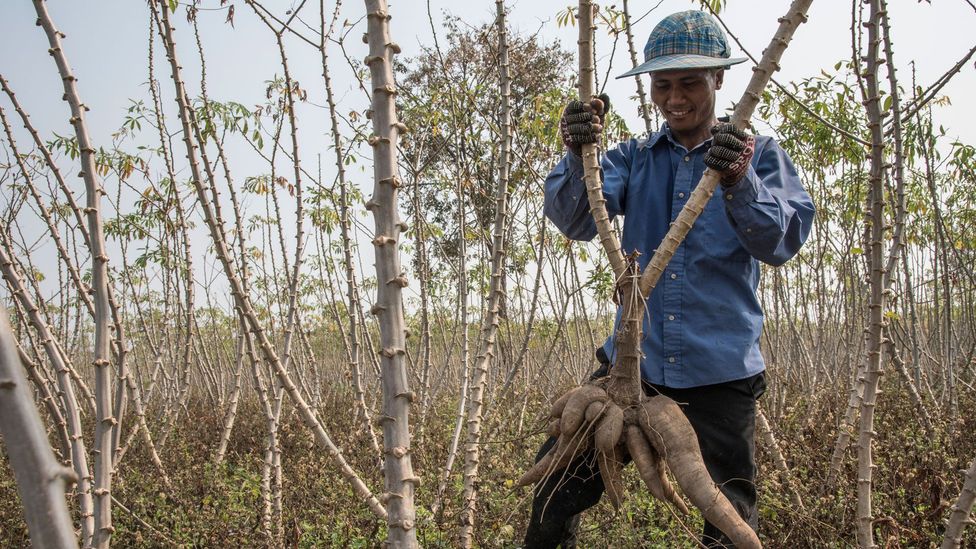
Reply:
x=721, y=242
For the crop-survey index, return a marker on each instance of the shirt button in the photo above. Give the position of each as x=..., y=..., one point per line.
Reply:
x=671, y=360
x=670, y=317
x=749, y=230
x=681, y=195
x=687, y=158
x=728, y=196
x=673, y=276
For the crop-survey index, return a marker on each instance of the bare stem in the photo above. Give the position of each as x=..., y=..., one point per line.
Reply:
x=876, y=304
x=41, y=480
x=104, y=420
x=397, y=397
x=591, y=161
x=496, y=292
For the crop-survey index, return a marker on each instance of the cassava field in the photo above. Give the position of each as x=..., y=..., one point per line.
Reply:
x=278, y=275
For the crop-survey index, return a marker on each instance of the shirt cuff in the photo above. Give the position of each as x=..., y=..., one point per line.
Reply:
x=742, y=193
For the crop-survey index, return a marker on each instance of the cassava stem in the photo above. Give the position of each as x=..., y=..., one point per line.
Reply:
x=960, y=514
x=63, y=367
x=41, y=480
x=104, y=409
x=397, y=397
x=876, y=320
x=590, y=151
x=353, y=305
x=496, y=289
x=645, y=106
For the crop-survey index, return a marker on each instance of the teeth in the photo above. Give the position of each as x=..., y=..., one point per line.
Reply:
x=679, y=113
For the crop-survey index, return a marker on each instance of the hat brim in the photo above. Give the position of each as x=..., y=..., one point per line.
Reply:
x=683, y=61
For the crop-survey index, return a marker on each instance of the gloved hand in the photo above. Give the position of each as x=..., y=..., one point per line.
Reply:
x=583, y=122
x=604, y=361
x=731, y=153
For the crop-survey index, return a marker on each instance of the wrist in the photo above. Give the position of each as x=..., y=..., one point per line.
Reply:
x=740, y=167
x=731, y=179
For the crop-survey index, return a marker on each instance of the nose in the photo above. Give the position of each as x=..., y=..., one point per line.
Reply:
x=675, y=97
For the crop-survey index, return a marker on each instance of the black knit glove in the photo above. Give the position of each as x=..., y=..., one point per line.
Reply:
x=582, y=122
x=731, y=153
x=604, y=361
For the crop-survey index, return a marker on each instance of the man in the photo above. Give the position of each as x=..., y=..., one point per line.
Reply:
x=701, y=338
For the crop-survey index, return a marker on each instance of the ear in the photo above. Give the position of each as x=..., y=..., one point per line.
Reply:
x=719, y=77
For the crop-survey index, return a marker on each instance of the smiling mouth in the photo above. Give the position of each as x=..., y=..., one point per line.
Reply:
x=678, y=114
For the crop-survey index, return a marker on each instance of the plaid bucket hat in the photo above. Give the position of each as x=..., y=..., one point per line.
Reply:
x=685, y=40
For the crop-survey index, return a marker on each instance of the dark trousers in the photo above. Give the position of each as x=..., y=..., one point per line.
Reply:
x=724, y=418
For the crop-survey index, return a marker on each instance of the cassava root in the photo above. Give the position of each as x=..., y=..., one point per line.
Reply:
x=655, y=433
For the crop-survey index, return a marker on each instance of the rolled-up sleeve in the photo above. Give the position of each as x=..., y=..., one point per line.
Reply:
x=769, y=210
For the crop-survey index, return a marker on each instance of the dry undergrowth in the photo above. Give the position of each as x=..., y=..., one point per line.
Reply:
x=917, y=480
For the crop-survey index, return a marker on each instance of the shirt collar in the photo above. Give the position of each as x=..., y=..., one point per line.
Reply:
x=656, y=136
x=665, y=134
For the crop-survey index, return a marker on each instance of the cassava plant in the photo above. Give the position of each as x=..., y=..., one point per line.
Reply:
x=397, y=397
x=489, y=328
x=876, y=322
x=960, y=513
x=203, y=181
x=344, y=206
x=65, y=371
x=104, y=407
x=612, y=414
x=40, y=478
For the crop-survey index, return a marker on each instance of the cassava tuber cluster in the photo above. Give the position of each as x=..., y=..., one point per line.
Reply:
x=655, y=434
x=614, y=417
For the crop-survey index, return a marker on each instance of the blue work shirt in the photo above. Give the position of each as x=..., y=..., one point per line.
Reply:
x=704, y=318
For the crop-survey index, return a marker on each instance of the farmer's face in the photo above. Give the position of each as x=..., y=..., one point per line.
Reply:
x=686, y=99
